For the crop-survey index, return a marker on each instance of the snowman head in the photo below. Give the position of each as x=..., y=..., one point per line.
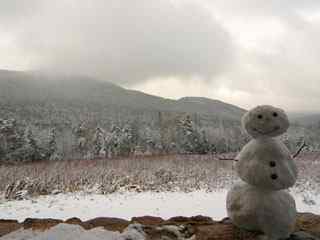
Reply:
x=265, y=121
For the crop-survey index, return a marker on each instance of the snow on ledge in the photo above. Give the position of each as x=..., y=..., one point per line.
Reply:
x=72, y=232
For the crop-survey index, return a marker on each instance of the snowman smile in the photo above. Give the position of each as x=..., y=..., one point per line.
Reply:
x=266, y=132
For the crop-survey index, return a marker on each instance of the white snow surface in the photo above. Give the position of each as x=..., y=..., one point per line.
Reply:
x=130, y=204
x=122, y=205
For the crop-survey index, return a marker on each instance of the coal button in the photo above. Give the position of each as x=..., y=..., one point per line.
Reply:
x=272, y=164
x=274, y=176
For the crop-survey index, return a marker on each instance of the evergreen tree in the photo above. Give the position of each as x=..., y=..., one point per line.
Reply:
x=188, y=137
x=30, y=150
x=52, y=152
x=126, y=141
x=12, y=140
x=98, y=142
x=112, y=141
x=81, y=133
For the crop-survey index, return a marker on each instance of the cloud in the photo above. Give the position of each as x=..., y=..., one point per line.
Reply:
x=250, y=52
x=15, y=12
x=126, y=41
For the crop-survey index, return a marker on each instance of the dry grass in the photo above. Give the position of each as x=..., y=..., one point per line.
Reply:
x=159, y=173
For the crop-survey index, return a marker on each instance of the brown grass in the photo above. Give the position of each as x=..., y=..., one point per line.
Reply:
x=158, y=173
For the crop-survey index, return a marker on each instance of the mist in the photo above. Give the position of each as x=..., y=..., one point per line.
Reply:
x=246, y=54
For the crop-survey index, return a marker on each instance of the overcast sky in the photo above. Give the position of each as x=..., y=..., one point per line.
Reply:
x=243, y=52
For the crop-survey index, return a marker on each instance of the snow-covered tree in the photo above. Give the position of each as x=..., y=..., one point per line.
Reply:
x=191, y=139
x=13, y=138
x=98, y=142
x=52, y=149
x=187, y=137
x=28, y=151
x=126, y=141
x=112, y=142
x=81, y=133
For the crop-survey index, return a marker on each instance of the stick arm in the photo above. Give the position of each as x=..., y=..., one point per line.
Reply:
x=303, y=145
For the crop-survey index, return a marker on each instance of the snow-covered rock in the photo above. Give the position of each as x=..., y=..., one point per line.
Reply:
x=71, y=232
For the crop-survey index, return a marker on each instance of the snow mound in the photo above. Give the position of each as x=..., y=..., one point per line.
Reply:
x=70, y=232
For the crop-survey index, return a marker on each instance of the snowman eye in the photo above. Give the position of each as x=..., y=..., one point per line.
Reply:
x=260, y=116
x=275, y=114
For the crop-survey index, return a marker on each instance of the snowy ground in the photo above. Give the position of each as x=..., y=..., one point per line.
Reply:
x=130, y=204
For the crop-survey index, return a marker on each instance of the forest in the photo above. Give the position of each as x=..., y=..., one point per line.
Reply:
x=36, y=132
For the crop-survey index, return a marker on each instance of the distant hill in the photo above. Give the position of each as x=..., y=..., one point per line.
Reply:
x=30, y=87
x=77, y=109
x=306, y=119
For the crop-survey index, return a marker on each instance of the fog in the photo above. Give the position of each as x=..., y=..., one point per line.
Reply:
x=246, y=54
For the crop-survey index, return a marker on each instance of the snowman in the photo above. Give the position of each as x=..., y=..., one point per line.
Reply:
x=260, y=202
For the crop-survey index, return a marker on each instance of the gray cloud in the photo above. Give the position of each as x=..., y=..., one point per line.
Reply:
x=126, y=41
x=129, y=42
x=15, y=12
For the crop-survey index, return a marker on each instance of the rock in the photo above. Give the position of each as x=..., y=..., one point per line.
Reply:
x=302, y=236
x=195, y=219
x=170, y=232
x=148, y=220
x=220, y=231
x=111, y=224
x=308, y=222
x=176, y=228
x=8, y=226
x=40, y=224
x=76, y=221
x=202, y=219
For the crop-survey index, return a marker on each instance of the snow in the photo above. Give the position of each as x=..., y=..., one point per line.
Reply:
x=122, y=205
x=71, y=232
x=130, y=204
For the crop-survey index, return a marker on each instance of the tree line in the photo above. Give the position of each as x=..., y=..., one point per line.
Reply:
x=183, y=134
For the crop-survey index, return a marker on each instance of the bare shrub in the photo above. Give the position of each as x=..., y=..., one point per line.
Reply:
x=154, y=173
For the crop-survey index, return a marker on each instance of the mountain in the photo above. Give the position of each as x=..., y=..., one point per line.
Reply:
x=306, y=119
x=74, y=110
x=32, y=87
x=210, y=106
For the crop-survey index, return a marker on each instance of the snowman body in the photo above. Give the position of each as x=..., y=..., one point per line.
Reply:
x=260, y=202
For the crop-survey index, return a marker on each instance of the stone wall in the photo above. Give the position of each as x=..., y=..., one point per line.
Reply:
x=176, y=228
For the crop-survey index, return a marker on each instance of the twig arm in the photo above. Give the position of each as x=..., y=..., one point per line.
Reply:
x=227, y=159
x=303, y=145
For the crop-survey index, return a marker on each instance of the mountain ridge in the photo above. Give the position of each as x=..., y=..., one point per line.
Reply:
x=20, y=86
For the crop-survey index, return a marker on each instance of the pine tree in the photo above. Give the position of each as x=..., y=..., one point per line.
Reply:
x=149, y=140
x=12, y=140
x=30, y=148
x=188, y=138
x=112, y=142
x=98, y=142
x=81, y=140
x=52, y=152
x=126, y=141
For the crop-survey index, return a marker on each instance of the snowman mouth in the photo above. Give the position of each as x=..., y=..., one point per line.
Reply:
x=267, y=132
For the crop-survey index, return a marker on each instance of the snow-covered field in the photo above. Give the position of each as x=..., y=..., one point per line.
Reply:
x=131, y=204
x=163, y=187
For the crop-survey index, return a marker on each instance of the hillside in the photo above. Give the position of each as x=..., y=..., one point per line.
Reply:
x=82, y=117
x=30, y=87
